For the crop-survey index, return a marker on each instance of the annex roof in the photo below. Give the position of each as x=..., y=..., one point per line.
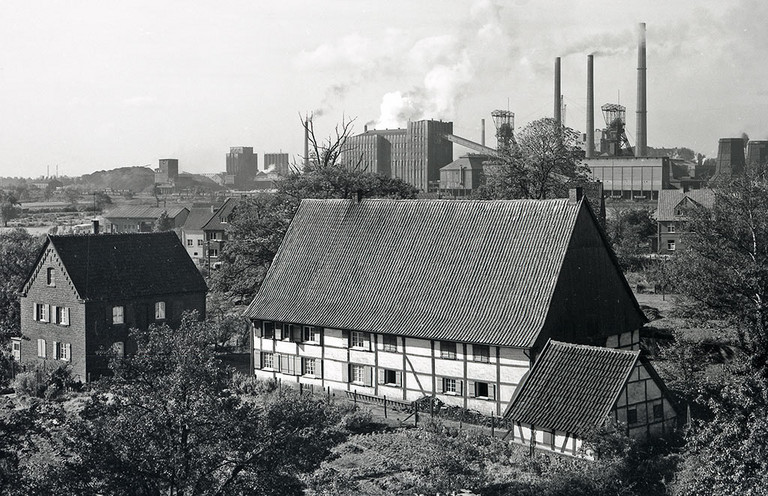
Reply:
x=669, y=199
x=467, y=271
x=142, y=212
x=469, y=161
x=197, y=218
x=571, y=388
x=127, y=265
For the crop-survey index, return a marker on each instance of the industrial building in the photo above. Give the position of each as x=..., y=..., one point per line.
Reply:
x=242, y=165
x=276, y=162
x=414, y=154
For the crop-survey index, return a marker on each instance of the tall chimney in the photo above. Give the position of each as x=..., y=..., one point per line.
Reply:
x=590, y=106
x=557, y=90
x=482, y=132
x=306, y=141
x=642, y=111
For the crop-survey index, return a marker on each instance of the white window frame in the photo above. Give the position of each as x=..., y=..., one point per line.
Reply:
x=310, y=334
x=671, y=228
x=357, y=373
x=357, y=340
x=160, y=310
x=118, y=314
x=481, y=358
x=671, y=246
x=309, y=366
x=448, y=354
x=40, y=348
x=390, y=347
x=190, y=242
x=267, y=360
x=450, y=386
x=64, y=316
x=45, y=314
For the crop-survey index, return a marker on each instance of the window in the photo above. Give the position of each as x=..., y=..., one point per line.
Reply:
x=267, y=360
x=358, y=340
x=481, y=389
x=632, y=416
x=62, y=351
x=190, y=242
x=447, y=350
x=308, y=366
x=310, y=334
x=50, y=277
x=390, y=377
x=41, y=348
x=670, y=228
x=213, y=252
x=199, y=242
x=390, y=342
x=269, y=330
x=671, y=244
x=117, y=315
x=449, y=386
x=45, y=311
x=62, y=315
x=658, y=411
x=357, y=373
x=481, y=353
x=160, y=310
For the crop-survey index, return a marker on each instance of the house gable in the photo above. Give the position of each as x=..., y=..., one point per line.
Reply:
x=592, y=299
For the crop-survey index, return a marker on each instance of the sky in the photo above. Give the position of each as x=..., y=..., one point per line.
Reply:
x=90, y=85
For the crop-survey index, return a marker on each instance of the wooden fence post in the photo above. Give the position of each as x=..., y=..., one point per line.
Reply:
x=355, y=396
x=385, y=406
x=416, y=414
x=493, y=424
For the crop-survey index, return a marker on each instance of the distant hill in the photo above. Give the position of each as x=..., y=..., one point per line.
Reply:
x=141, y=179
x=133, y=178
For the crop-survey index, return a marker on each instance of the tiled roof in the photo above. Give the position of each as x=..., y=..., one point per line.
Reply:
x=214, y=223
x=571, y=388
x=197, y=218
x=142, y=212
x=468, y=271
x=121, y=266
x=670, y=198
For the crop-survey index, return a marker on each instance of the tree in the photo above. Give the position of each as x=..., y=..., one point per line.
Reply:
x=10, y=208
x=546, y=157
x=100, y=200
x=18, y=252
x=631, y=232
x=163, y=222
x=169, y=422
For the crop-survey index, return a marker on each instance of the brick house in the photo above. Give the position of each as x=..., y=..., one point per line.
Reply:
x=672, y=214
x=86, y=292
x=445, y=298
x=558, y=405
x=215, y=230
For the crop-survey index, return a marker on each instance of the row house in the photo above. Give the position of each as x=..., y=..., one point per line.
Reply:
x=142, y=218
x=85, y=293
x=445, y=298
x=215, y=229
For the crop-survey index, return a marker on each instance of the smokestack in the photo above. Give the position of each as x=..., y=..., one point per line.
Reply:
x=482, y=132
x=730, y=158
x=590, y=106
x=642, y=111
x=557, y=90
x=306, y=141
x=757, y=152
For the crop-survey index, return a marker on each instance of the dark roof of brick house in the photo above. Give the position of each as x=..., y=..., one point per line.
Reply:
x=126, y=265
x=197, y=218
x=217, y=221
x=671, y=198
x=468, y=271
x=571, y=388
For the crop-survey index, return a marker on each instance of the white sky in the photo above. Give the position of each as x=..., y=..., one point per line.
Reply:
x=94, y=84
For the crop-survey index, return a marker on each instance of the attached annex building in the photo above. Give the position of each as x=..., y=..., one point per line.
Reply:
x=446, y=298
x=86, y=292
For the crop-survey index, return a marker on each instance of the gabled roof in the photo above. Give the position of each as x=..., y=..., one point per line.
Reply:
x=468, y=271
x=215, y=222
x=197, y=218
x=469, y=161
x=571, y=388
x=142, y=212
x=127, y=265
x=669, y=199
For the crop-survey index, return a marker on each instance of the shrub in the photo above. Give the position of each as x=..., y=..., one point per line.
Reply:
x=44, y=383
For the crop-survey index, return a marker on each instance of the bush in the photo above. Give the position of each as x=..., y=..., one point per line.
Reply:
x=358, y=421
x=41, y=382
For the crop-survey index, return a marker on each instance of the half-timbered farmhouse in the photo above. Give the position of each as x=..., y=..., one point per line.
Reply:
x=414, y=298
x=86, y=292
x=572, y=390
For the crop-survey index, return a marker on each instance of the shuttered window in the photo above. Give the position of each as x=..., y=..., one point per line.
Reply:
x=41, y=348
x=160, y=310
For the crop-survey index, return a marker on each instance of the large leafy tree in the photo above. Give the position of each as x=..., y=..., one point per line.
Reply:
x=9, y=206
x=169, y=422
x=631, y=231
x=18, y=251
x=546, y=157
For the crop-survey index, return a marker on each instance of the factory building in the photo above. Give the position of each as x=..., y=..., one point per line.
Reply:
x=631, y=178
x=414, y=154
x=277, y=162
x=242, y=165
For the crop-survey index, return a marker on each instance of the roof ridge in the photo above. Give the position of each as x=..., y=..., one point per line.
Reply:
x=592, y=347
